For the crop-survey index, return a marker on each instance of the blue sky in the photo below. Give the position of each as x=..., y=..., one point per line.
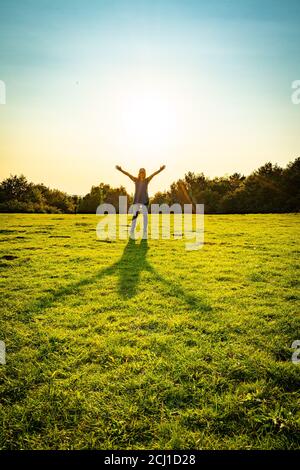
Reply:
x=223, y=68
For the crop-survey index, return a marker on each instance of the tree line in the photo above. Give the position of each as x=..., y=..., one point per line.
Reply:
x=267, y=190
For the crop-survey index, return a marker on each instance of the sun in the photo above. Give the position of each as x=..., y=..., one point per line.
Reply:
x=148, y=121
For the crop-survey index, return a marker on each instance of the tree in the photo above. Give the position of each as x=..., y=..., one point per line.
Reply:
x=268, y=189
x=291, y=176
x=101, y=194
x=14, y=187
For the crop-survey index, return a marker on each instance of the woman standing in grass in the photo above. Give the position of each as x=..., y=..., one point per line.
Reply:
x=141, y=198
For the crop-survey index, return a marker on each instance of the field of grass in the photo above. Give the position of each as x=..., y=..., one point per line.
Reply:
x=146, y=345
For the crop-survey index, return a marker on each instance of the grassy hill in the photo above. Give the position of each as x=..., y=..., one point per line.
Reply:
x=146, y=345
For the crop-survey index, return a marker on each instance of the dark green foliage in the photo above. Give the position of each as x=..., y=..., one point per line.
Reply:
x=270, y=189
x=18, y=195
x=103, y=193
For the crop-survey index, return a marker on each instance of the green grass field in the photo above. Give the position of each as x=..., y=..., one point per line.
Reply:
x=133, y=346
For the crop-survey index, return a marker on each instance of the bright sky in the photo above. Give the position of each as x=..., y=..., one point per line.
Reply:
x=194, y=84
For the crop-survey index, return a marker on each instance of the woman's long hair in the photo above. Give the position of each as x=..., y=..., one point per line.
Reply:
x=142, y=174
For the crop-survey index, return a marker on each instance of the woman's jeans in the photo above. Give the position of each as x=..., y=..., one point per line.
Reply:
x=139, y=209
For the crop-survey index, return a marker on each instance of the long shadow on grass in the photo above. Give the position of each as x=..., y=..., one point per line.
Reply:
x=128, y=269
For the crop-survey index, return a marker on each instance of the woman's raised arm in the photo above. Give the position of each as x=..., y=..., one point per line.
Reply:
x=156, y=172
x=125, y=173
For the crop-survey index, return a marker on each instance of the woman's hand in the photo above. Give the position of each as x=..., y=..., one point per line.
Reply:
x=118, y=167
x=162, y=168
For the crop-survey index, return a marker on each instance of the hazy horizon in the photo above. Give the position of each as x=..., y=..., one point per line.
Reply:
x=198, y=86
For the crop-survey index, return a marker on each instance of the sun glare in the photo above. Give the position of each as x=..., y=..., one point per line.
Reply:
x=148, y=121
